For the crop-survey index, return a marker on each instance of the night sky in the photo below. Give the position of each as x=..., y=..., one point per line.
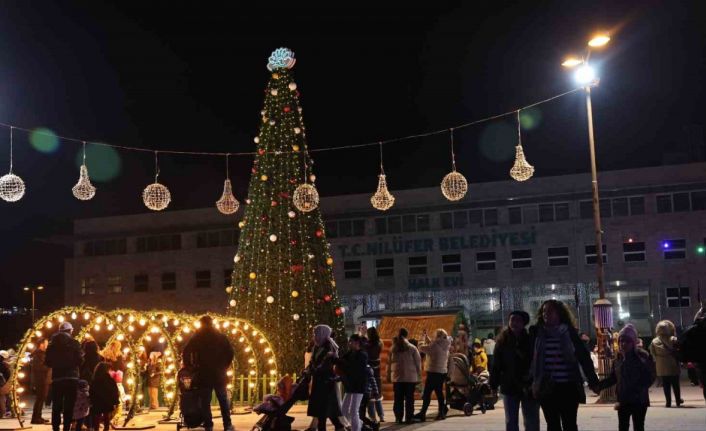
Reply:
x=190, y=76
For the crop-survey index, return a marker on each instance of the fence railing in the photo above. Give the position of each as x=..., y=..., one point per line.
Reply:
x=247, y=390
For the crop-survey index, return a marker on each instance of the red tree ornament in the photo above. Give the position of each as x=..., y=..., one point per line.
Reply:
x=287, y=109
x=319, y=233
x=327, y=298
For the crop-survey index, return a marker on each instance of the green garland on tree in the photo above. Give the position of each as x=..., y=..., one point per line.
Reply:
x=283, y=277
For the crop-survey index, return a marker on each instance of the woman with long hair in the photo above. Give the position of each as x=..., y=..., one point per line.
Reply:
x=405, y=370
x=663, y=350
x=374, y=349
x=558, y=357
x=105, y=398
x=323, y=400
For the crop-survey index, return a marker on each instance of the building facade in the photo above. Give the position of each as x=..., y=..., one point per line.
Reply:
x=506, y=245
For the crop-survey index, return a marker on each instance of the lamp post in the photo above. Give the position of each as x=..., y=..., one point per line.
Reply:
x=32, y=290
x=602, y=308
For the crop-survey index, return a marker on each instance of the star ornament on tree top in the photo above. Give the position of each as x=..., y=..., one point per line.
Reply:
x=281, y=58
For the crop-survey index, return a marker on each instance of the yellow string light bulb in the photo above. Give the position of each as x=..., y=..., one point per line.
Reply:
x=521, y=170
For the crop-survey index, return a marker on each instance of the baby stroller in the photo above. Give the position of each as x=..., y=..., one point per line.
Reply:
x=190, y=415
x=465, y=391
x=274, y=409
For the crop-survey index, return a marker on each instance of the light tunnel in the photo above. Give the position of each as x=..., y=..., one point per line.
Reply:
x=253, y=373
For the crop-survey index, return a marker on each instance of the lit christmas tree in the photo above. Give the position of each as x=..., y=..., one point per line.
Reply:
x=283, y=278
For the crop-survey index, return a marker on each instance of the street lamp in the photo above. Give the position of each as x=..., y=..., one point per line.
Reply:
x=33, y=290
x=586, y=77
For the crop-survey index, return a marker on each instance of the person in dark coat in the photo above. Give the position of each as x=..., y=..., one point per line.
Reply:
x=5, y=374
x=633, y=371
x=64, y=358
x=211, y=354
x=355, y=379
x=323, y=401
x=374, y=348
x=510, y=373
x=558, y=358
x=104, y=397
x=40, y=380
x=91, y=358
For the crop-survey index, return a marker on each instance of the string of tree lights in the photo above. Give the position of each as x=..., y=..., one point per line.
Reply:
x=157, y=196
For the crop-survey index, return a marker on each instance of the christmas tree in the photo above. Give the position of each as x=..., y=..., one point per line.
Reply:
x=283, y=277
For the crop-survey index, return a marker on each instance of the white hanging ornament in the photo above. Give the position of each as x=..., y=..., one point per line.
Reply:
x=306, y=198
x=295, y=316
x=521, y=170
x=156, y=196
x=12, y=188
x=236, y=258
x=83, y=190
x=270, y=299
x=291, y=214
x=382, y=199
x=292, y=86
x=273, y=238
x=232, y=303
x=454, y=185
x=227, y=204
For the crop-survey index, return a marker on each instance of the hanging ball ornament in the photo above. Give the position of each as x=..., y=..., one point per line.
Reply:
x=232, y=303
x=327, y=298
x=236, y=258
x=253, y=276
x=339, y=311
x=319, y=233
x=295, y=293
x=292, y=86
x=273, y=238
x=297, y=130
x=329, y=261
x=83, y=190
x=291, y=214
x=295, y=316
x=12, y=188
x=257, y=139
x=156, y=196
x=270, y=299
x=227, y=204
x=382, y=199
x=263, y=177
x=521, y=170
x=295, y=148
x=273, y=92
x=312, y=178
x=306, y=198
x=241, y=224
x=454, y=186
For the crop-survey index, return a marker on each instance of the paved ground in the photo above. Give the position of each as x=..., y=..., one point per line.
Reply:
x=592, y=417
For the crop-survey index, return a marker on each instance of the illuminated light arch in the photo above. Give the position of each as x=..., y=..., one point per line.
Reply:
x=88, y=319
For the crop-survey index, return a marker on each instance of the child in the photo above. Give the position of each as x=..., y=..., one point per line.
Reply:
x=633, y=372
x=154, y=378
x=355, y=380
x=370, y=397
x=105, y=397
x=82, y=405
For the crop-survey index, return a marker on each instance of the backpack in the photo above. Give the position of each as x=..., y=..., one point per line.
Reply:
x=692, y=344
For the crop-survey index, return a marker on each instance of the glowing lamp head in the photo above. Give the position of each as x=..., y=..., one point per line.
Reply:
x=599, y=40
x=572, y=62
x=585, y=75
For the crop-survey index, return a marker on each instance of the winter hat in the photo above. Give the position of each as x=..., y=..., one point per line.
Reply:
x=66, y=327
x=628, y=331
x=477, y=341
x=5, y=354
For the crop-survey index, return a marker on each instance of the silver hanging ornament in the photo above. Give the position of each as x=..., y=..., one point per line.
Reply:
x=382, y=199
x=227, y=204
x=12, y=188
x=83, y=190
x=454, y=185
x=521, y=170
x=156, y=196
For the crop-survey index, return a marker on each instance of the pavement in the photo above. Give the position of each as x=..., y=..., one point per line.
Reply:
x=591, y=417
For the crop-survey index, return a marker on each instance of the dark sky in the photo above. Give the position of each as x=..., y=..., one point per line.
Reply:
x=190, y=75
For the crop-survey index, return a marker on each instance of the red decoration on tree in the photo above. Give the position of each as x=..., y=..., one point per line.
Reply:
x=284, y=195
x=319, y=233
x=261, y=151
x=254, y=170
x=339, y=311
x=293, y=242
x=273, y=203
x=287, y=109
x=327, y=298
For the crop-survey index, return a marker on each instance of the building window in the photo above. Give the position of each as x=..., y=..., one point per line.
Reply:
x=417, y=265
x=485, y=261
x=447, y=221
x=381, y=226
x=409, y=223
x=605, y=208
x=203, y=279
x=158, y=243
x=227, y=277
x=698, y=200
x=451, y=263
x=490, y=217
x=105, y=247
x=530, y=214
x=561, y=211
x=331, y=229
x=586, y=209
x=664, y=204
x=348, y=228
x=142, y=283
x=88, y=286
x=216, y=238
x=169, y=281
x=620, y=207
x=358, y=227
x=394, y=225
x=678, y=297
x=591, y=257
x=423, y=222
x=637, y=205
x=385, y=267
x=521, y=259
x=634, y=252
x=558, y=256
x=515, y=215
x=461, y=218
x=352, y=269
x=674, y=249
x=115, y=284
x=546, y=212
x=681, y=202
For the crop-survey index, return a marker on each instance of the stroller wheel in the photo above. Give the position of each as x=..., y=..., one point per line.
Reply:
x=468, y=409
x=482, y=408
